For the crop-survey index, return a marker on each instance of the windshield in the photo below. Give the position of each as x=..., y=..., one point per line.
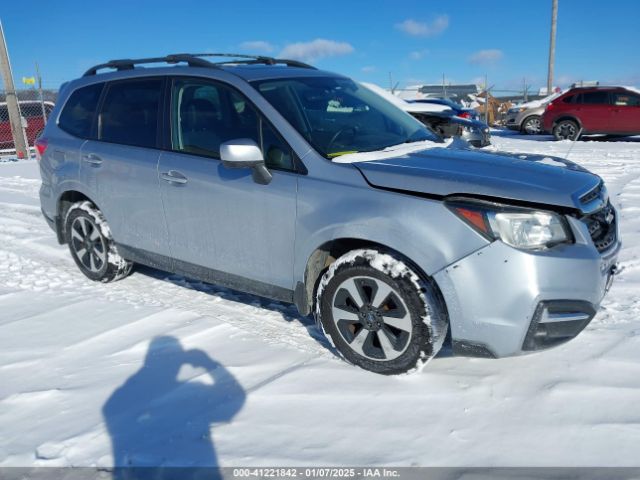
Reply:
x=338, y=116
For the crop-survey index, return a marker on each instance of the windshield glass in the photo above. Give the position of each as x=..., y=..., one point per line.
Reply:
x=338, y=116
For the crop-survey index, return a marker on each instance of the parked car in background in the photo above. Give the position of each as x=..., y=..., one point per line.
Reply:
x=459, y=110
x=605, y=110
x=527, y=117
x=440, y=118
x=31, y=112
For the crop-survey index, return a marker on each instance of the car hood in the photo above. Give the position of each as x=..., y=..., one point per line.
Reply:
x=451, y=171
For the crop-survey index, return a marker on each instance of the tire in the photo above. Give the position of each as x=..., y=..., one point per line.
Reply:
x=351, y=302
x=566, y=130
x=532, y=125
x=91, y=244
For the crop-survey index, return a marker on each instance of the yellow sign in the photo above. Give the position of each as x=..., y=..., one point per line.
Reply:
x=29, y=80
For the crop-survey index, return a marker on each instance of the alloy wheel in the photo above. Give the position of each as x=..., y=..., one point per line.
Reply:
x=567, y=130
x=372, y=318
x=87, y=244
x=533, y=126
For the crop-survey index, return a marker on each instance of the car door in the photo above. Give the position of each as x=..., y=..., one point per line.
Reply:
x=625, y=117
x=242, y=232
x=594, y=111
x=120, y=165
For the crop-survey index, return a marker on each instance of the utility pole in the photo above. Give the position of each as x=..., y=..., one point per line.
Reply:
x=44, y=112
x=12, y=100
x=486, y=100
x=552, y=44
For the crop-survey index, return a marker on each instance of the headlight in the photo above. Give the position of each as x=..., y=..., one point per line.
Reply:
x=521, y=228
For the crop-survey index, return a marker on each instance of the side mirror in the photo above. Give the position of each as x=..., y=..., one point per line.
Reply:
x=245, y=153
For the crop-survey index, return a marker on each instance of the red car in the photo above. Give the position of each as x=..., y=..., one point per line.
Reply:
x=32, y=119
x=593, y=110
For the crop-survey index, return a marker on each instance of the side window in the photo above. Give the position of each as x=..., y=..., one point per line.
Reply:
x=205, y=114
x=569, y=99
x=626, y=100
x=129, y=113
x=277, y=153
x=77, y=115
x=596, y=98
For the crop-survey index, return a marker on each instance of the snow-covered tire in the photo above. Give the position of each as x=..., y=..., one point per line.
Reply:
x=379, y=314
x=91, y=244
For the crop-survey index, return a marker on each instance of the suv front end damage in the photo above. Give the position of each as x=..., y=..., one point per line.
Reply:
x=503, y=300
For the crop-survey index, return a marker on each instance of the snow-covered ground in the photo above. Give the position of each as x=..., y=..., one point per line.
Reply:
x=186, y=373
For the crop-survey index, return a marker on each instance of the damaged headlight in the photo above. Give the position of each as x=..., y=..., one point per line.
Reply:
x=519, y=227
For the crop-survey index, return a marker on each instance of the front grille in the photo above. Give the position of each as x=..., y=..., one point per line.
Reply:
x=602, y=227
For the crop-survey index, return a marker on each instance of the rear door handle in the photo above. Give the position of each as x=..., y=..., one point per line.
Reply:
x=92, y=158
x=173, y=176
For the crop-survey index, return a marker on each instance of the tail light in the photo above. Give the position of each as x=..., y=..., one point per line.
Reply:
x=41, y=147
x=549, y=106
x=464, y=115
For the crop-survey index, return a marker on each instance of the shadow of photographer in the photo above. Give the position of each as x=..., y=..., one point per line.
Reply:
x=158, y=423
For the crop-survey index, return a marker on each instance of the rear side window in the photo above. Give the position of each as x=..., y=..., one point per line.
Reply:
x=626, y=100
x=595, y=98
x=77, y=115
x=129, y=113
x=569, y=99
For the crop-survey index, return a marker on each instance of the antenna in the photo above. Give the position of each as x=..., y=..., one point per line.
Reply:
x=575, y=139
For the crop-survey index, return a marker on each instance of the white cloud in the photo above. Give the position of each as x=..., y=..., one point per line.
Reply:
x=486, y=57
x=315, y=49
x=424, y=29
x=257, y=45
x=368, y=69
x=418, y=54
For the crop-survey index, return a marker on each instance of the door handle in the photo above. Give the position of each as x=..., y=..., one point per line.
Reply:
x=92, y=158
x=173, y=177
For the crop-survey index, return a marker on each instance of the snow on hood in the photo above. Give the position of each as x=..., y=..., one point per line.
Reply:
x=539, y=103
x=404, y=105
x=391, y=152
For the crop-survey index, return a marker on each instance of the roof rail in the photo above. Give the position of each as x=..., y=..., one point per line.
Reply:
x=195, y=60
x=129, y=64
x=255, y=59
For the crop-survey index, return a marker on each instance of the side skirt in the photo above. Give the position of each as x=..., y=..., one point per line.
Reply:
x=204, y=274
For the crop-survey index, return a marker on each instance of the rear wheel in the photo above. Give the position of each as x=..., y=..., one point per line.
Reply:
x=566, y=130
x=91, y=244
x=532, y=125
x=379, y=314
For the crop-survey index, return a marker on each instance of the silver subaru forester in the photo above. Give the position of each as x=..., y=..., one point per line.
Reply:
x=275, y=178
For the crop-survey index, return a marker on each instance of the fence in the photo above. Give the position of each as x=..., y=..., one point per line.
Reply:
x=34, y=113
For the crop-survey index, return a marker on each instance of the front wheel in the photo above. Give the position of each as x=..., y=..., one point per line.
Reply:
x=380, y=315
x=91, y=244
x=532, y=125
x=566, y=130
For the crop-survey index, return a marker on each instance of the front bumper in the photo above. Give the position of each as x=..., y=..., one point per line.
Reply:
x=477, y=137
x=502, y=301
x=511, y=122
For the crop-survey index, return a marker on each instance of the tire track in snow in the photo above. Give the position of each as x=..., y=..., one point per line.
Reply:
x=27, y=264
